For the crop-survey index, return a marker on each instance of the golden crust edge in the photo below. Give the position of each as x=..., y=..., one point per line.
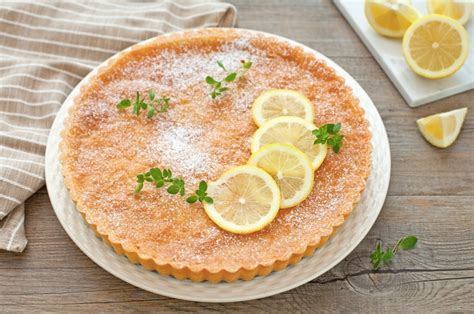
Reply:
x=203, y=274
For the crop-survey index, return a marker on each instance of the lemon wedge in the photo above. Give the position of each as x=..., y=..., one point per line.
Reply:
x=246, y=199
x=281, y=102
x=290, y=168
x=442, y=129
x=435, y=46
x=294, y=131
x=461, y=11
x=390, y=17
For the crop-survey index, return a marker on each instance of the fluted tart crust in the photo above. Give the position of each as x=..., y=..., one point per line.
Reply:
x=103, y=149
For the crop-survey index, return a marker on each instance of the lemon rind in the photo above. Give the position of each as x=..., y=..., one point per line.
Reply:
x=445, y=72
x=384, y=31
x=445, y=141
x=274, y=208
x=463, y=20
x=260, y=100
x=255, y=141
x=305, y=162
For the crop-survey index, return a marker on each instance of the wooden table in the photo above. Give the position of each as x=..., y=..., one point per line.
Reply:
x=430, y=196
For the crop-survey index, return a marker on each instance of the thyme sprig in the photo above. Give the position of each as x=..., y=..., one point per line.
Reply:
x=379, y=257
x=220, y=86
x=329, y=134
x=153, y=105
x=174, y=185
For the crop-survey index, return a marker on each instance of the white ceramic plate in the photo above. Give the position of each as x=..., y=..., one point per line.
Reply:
x=337, y=248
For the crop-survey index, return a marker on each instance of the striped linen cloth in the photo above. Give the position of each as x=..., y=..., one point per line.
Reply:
x=46, y=47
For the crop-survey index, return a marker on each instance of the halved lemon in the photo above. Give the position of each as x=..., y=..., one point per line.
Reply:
x=442, y=129
x=435, y=46
x=390, y=17
x=461, y=11
x=281, y=102
x=294, y=131
x=290, y=168
x=246, y=199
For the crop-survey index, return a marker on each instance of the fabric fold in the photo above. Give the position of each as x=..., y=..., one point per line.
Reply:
x=46, y=48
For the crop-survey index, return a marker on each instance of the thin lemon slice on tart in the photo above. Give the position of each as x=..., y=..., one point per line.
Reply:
x=281, y=102
x=290, y=168
x=294, y=131
x=442, y=129
x=435, y=46
x=390, y=17
x=246, y=199
x=460, y=10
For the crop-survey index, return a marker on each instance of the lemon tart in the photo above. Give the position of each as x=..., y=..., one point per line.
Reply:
x=200, y=138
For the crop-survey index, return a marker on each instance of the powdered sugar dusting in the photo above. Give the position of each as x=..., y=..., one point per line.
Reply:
x=200, y=138
x=178, y=146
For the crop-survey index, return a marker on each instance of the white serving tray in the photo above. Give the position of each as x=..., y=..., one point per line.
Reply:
x=415, y=90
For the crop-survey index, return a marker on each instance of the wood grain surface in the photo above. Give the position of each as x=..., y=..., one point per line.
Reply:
x=430, y=196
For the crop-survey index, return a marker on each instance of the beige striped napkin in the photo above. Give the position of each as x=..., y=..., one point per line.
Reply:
x=46, y=47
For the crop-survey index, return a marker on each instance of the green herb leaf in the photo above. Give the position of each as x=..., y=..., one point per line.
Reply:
x=210, y=80
x=151, y=94
x=192, y=199
x=379, y=257
x=151, y=113
x=231, y=77
x=139, y=187
x=377, y=254
x=329, y=134
x=136, y=108
x=124, y=103
x=163, y=108
x=136, y=105
x=140, y=104
x=219, y=63
x=408, y=243
x=174, y=185
x=387, y=257
x=173, y=189
x=203, y=186
x=376, y=264
x=220, y=86
x=247, y=64
x=156, y=174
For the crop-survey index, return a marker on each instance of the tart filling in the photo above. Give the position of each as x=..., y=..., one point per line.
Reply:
x=200, y=137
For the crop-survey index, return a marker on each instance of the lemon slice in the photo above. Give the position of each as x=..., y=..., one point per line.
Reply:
x=442, y=129
x=435, y=46
x=281, y=102
x=246, y=199
x=290, y=168
x=294, y=131
x=461, y=11
x=390, y=17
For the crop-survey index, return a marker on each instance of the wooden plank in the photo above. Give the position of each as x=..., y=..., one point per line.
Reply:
x=430, y=196
x=53, y=271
